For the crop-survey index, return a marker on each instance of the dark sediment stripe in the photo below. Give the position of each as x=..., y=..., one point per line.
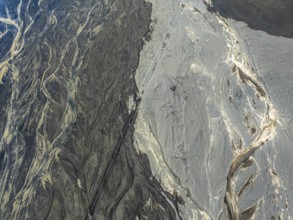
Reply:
x=71, y=154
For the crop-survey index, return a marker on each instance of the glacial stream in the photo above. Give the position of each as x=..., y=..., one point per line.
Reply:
x=133, y=109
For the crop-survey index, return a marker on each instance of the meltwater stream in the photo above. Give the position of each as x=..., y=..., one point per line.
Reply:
x=66, y=150
x=132, y=109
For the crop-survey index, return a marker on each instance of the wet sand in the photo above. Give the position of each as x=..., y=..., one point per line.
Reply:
x=146, y=110
x=68, y=104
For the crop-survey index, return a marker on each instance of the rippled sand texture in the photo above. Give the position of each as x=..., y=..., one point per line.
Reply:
x=68, y=104
x=126, y=109
x=215, y=115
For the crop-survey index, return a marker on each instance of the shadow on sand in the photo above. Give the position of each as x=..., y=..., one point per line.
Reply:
x=272, y=16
